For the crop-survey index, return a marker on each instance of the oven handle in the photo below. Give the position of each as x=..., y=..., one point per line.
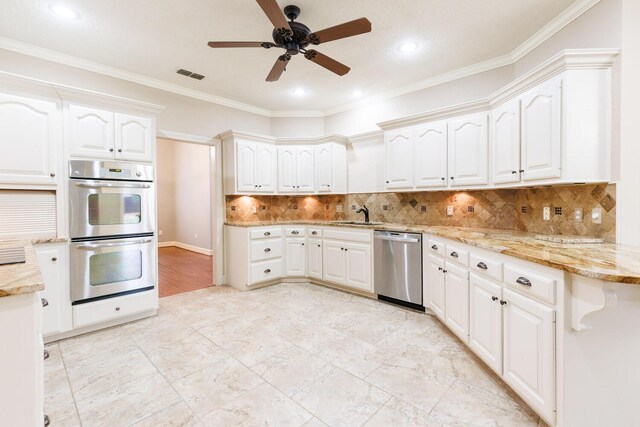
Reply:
x=110, y=185
x=113, y=245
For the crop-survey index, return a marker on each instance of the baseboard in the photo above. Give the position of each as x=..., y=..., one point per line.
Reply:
x=187, y=247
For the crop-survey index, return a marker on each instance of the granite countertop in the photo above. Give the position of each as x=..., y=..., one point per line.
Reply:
x=604, y=261
x=23, y=278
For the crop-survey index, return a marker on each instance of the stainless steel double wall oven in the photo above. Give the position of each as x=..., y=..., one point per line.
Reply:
x=112, y=226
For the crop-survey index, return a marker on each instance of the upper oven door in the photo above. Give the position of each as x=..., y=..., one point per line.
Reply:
x=101, y=208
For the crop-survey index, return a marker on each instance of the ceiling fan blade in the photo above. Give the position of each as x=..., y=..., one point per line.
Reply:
x=326, y=62
x=348, y=29
x=278, y=67
x=275, y=15
x=265, y=45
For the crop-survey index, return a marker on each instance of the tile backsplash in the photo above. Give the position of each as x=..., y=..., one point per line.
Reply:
x=511, y=209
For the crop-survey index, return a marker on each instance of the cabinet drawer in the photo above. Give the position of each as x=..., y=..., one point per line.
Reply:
x=457, y=255
x=294, y=231
x=347, y=234
x=266, y=249
x=265, y=270
x=314, y=232
x=113, y=308
x=529, y=283
x=436, y=247
x=265, y=233
x=482, y=265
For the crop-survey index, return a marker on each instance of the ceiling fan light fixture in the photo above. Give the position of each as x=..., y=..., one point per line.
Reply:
x=408, y=47
x=63, y=11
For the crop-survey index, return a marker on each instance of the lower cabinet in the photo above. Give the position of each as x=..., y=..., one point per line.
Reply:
x=54, y=266
x=457, y=301
x=485, y=323
x=295, y=258
x=434, y=286
x=314, y=258
x=348, y=264
x=333, y=262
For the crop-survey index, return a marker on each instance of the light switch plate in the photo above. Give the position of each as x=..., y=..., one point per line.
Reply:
x=596, y=215
x=546, y=213
x=449, y=210
x=338, y=208
x=254, y=209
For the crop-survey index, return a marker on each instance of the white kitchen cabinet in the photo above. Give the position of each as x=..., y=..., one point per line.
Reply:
x=324, y=168
x=91, y=132
x=295, y=259
x=331, y=168
x=456, y=301
x=333, y=262
x=358, y=266
x=287, y=169
x=430, y=155
x=305, y=169
x=256, y=167
x=134, y=138
x=266, y=168
x=505, y=142
x=485, y=321
x=30, y=132
x=314, y=258
x=54, y=264
x=468, y=150
x=541, y=131
x=434, y=286
x=399, y=158
x=529, y=351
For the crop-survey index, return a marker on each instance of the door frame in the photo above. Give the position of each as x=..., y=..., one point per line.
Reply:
x=217, y=207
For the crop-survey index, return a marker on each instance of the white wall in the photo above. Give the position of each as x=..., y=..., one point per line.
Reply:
x=184, y=169
x=365, y=166
x=305, y=127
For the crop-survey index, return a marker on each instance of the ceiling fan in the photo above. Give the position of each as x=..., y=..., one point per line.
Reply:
x=294, y=37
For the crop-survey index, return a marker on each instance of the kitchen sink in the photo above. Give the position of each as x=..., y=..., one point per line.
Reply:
x=361, y=223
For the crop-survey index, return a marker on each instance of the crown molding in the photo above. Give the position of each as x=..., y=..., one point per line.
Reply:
x=249, y=136
x=374, y=135
x=440, y=113
x=183, y=137
x=558, y=23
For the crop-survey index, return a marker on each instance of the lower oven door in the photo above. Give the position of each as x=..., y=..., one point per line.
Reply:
x=108, y=267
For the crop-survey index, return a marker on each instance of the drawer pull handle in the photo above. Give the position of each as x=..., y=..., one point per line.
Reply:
x=44, y=302
x=314, y=233
x=294, y=232
x=523, y=281
x=482, y=265
x=46, y=354
x=494, y=298
x=117, y=308
x=266, y=233
x=454, y=254
x=434, y=247
x=47, y=421
x=268, y=270
x=267, y=250
x=502, y=302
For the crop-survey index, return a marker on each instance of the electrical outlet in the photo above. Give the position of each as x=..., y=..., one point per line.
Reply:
x=577, y=215
x=254, y=209
x=449, y=210
x=546, y=213
x=596, y=216
x=159, y=232
x=338, y=208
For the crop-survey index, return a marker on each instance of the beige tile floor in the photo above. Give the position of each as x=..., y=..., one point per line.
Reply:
x=285, y=355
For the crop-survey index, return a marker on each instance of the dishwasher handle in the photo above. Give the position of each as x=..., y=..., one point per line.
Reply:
x=397, y=239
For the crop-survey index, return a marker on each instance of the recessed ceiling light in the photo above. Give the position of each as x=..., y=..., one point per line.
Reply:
x=356, y=93
x=407, y=47
x=299, y=91
x=63, y=11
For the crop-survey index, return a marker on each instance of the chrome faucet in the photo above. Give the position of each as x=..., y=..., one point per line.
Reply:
x=364, y=210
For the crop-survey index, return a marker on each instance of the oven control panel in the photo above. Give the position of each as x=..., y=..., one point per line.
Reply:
x=115, y=173
x=89, y=169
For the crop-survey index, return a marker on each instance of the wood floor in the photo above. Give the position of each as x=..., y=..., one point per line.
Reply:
x=183, y=271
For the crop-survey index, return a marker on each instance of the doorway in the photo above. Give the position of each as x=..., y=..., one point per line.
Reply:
x=185, y=177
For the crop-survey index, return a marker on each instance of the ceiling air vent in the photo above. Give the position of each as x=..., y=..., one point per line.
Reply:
x=191, y=74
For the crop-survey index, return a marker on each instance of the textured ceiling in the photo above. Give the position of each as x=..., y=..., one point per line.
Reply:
x=156, y=37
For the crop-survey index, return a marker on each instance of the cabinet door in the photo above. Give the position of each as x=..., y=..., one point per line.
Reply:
x=430, y=160
x=434, y=286
x=529, y=350
x=134, y=138
x=324, y=168
x=468, y=150
x=399, y=158
x=333, y=262
x=29, y=137
x=266, y=168
x=541, y=132
x=314, y=258
x=485, y=321
x=287, y=169
x=505, y=138
x=247, y=157
x=295, y=259
x=91, y=132
x=56, y=315
x=358, y=266
x=456, y=301
x=305, y=170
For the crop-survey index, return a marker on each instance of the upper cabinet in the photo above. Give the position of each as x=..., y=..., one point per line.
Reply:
x=430, y=159
x=100, y=134
x=468, y=150
x=399, y=149
x=505, y=139
x=30, y=131
x=296, y=169
x=256, y=167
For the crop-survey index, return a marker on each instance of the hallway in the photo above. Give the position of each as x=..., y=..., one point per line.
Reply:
x=180, y=271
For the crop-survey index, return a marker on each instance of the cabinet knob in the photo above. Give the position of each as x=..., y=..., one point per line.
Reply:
x=494, y=298
x=266, y=233
x=294, y=232
x=44, y=302
x=523, y=281
x=314, y=233
x=514, y=172
x=444, y=271
x=440, y=268
x=117, y=308
x=54, y=259
x=502, y=302
x=119, y=150
x=45, y=354
x=521, y=170
x=259, y=186
x=452, y=178
x=111, y=150
x=387, y=182
x=318, y=245
x=267, y=250
x=454, y=254
x=346, y=249
x=442, y=178
x=434, y=247
x=52, y=175
x=47, y=421
x=138, y=174
x=303, y=244
x=268, y=270
x=482, y=265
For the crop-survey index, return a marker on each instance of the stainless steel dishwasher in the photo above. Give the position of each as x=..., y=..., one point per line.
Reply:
x=398, y=268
